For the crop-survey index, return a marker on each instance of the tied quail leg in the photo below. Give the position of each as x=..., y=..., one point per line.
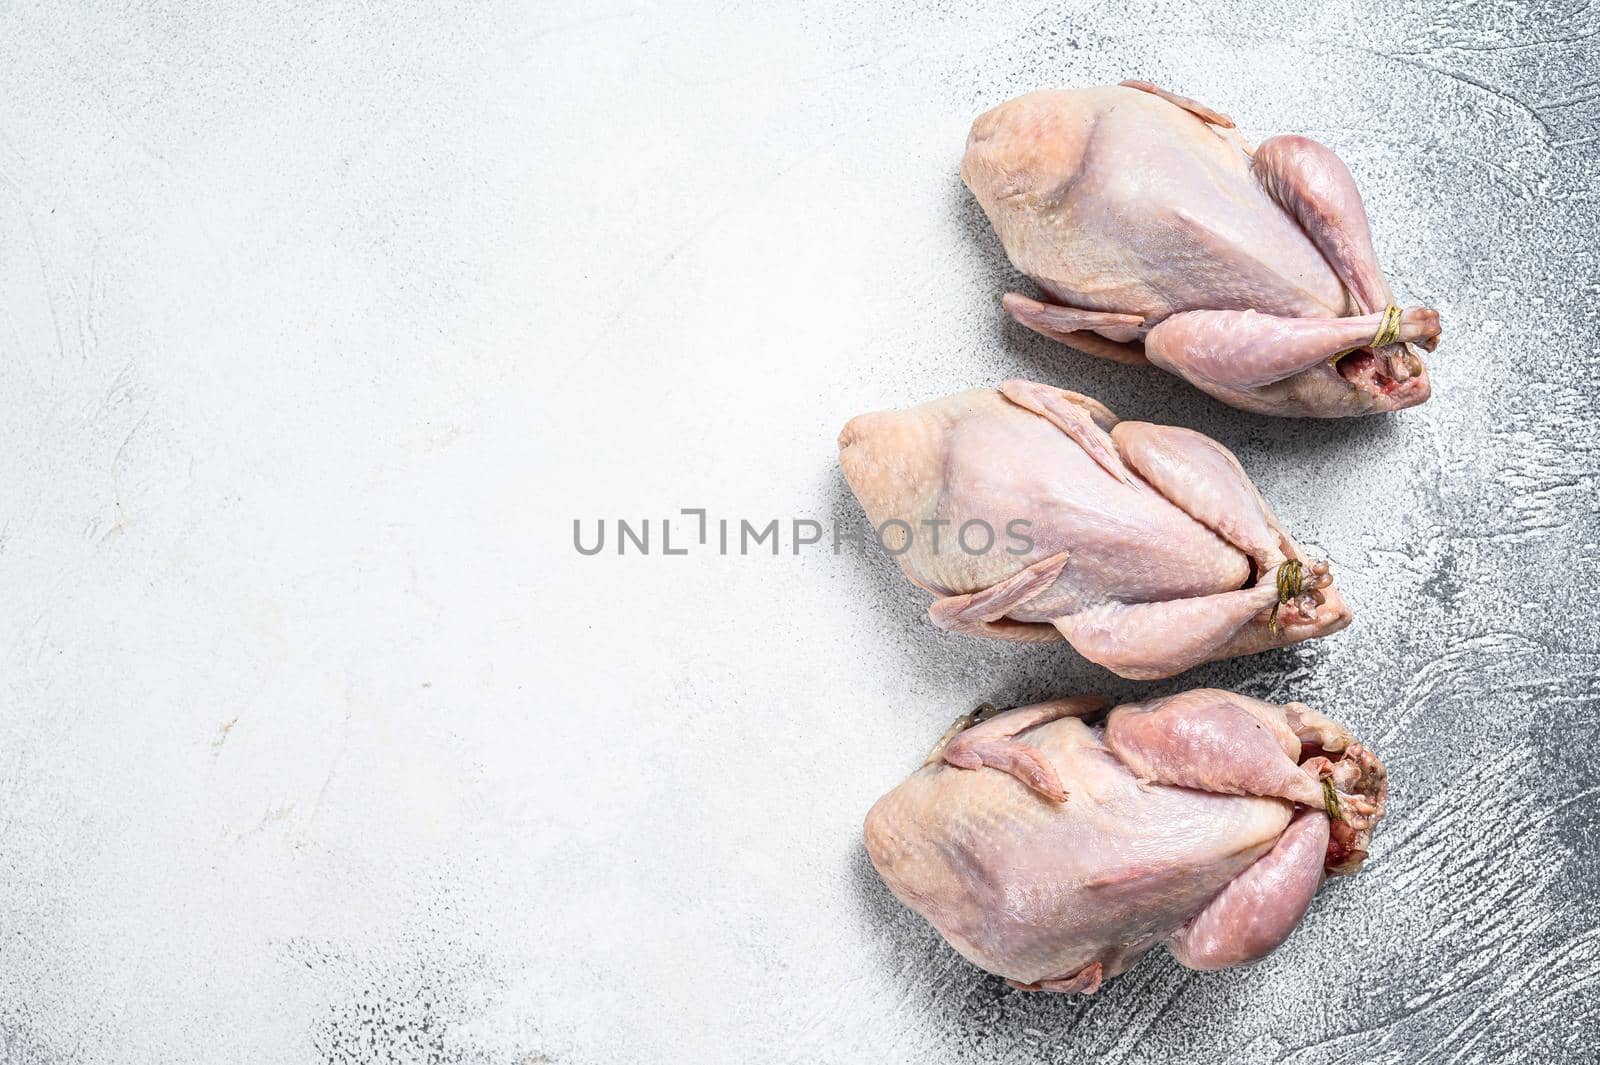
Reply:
x=1245, y=350
x=1152, y=641
x=1260, y=907
x=1231, y=744
x=1214, y=741
x=1205, y=479
x=1312, y=183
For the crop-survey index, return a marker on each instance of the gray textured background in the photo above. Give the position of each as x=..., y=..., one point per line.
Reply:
x=320, y=323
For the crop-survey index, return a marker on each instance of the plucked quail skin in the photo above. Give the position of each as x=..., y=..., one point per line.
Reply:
x=1148, y=548
x=1158, y=234
x=1056, y=852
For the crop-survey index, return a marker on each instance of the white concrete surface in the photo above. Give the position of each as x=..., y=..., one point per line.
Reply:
x=321, y=323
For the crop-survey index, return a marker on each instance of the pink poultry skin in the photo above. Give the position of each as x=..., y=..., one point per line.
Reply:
x=1151, y=550
x=1158, y=234
x=1056, y=853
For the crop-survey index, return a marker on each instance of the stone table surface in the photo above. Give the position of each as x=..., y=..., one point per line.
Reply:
x=322, y=323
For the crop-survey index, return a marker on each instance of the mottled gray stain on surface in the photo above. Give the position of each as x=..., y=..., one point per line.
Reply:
x=320, y=325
